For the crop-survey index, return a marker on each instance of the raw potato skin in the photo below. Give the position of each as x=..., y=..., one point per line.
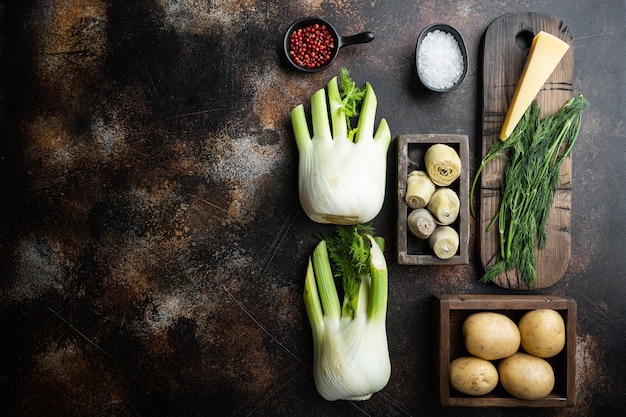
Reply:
x=542, y=332
x=473, y=376
x=526, y=376
x=490, y=335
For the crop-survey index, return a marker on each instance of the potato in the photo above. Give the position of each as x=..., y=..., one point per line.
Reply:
x=526, y=376
x=542, y=332
x=490, y=335
x=473, y=376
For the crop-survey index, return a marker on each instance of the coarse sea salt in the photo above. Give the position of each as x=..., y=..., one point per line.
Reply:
x=440, y=62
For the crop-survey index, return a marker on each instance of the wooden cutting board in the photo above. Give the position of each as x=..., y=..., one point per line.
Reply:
x=506, y=46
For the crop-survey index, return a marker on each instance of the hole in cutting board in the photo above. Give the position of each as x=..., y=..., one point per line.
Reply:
x=524, y=39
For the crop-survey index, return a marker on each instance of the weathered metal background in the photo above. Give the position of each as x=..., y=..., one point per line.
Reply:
x=152, y=246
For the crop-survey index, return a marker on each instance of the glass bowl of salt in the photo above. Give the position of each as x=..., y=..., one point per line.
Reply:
x=440, y=58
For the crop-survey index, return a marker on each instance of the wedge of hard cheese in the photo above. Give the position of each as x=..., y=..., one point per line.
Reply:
x=546, y=52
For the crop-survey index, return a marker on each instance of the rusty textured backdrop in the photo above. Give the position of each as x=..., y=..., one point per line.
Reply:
x=152, y=247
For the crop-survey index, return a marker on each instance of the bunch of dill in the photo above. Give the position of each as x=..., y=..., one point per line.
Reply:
x=535, y=152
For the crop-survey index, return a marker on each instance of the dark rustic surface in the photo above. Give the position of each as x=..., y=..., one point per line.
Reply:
x=152, y=247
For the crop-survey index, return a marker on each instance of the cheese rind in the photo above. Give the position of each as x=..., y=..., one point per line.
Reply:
x=546, y=52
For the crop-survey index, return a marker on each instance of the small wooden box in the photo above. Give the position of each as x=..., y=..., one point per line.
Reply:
x=411, y=150
x=449, y=313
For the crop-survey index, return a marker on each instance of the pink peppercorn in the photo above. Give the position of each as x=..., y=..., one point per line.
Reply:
x=311, y=46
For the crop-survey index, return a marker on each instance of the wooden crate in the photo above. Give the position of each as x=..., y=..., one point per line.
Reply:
x=411, y=150
x=449, y=313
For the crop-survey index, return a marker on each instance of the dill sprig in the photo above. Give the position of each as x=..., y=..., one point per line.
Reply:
x=349, y=253
x=535, y=152
x=351, y=98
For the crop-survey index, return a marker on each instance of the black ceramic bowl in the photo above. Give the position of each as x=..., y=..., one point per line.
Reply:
x=338, y=41
x=461, y=44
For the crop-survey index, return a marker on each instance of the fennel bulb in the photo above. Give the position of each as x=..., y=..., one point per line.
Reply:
x=351, y=355
x=341, y=172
